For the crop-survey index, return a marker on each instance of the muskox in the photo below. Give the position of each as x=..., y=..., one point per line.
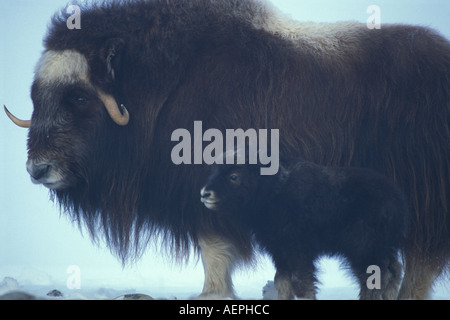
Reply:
x=108, y=96
x=306, y=211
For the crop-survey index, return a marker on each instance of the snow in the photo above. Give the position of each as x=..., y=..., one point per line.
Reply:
x=250, y=284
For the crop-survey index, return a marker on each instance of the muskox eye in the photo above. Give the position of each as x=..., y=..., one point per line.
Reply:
x=77, y=100
x=80, y=101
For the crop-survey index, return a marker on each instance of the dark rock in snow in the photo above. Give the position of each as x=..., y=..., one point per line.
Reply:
x=17, y=295
x=55, y=293
x=134, y=296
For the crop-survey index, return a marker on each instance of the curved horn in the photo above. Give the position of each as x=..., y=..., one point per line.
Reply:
x=113, y=109
x=17, y=121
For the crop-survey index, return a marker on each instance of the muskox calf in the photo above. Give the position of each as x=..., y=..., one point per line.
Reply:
x=306, y=211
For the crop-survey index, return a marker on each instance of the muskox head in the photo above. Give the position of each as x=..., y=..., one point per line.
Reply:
x=68, y=108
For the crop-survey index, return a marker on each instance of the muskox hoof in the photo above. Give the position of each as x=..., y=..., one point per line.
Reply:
x=214, y=296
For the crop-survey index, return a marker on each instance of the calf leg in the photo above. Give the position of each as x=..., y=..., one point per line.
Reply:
x=299, y=283
x=283, y=285
x=304, y=280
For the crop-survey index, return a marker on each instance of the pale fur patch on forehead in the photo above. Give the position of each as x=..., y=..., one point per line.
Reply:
x=65, y=67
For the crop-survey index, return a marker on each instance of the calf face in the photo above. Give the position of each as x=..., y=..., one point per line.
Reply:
x=231, y=188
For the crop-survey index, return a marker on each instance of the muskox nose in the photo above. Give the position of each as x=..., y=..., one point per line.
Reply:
x=38, y=170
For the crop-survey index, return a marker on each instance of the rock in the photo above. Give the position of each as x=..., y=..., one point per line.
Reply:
x=134, y=296
x=269, y=291
x=17, y=295
x=55, y=293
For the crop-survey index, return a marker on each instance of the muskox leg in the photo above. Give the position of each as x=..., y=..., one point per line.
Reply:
x=366, y=292
x=387, y=280
x=391, y=280
x=219, y=258
x=418, y=279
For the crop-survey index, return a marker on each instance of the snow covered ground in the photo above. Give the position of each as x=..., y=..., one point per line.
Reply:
x=170, y=283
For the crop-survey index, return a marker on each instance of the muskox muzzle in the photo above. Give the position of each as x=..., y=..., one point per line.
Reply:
x=38, y=170
x=46, y=173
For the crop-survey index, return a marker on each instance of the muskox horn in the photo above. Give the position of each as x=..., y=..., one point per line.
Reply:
x=17, y=121
x=113, y=109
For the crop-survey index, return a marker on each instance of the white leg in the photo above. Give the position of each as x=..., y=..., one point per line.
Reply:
x=219, y=258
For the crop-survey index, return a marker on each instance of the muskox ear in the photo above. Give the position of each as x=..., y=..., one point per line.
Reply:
x=112, y=55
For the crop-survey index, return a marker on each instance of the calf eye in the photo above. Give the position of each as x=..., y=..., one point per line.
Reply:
x=234, y=178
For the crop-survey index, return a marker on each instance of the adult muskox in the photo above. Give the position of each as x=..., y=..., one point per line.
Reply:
x=340, y=94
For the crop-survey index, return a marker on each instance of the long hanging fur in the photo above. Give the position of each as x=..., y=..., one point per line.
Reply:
x=340, y=94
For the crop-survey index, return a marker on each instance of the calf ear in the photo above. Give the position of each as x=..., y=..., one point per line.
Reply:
x=113, y=55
